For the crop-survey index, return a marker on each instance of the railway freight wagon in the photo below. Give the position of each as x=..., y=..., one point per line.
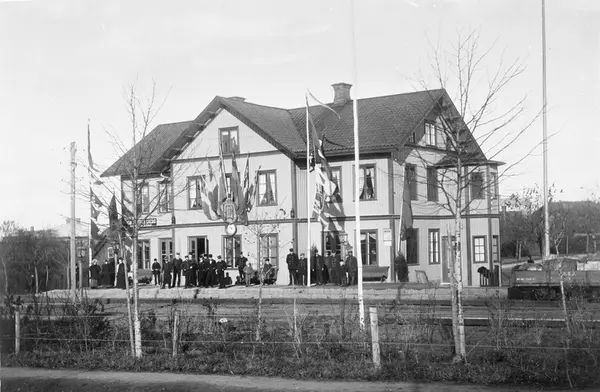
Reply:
x=542, y=281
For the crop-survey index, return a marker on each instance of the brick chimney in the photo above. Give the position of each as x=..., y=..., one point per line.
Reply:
x=341, y=93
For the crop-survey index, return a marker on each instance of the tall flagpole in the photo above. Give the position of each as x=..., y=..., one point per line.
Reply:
x=308, y=198
x=545, y=135
x=73, y=227
x=357, y=249
x=90, y=208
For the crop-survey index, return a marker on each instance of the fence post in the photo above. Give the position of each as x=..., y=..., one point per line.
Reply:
x=375, y=337
x=175, y=333
x=17, y=331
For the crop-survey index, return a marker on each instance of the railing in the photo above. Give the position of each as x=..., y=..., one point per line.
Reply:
x=489, y=278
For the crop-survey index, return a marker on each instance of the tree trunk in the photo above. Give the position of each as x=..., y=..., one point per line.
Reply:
x=37, y=280
x=46, y=283
x=136, y=316
x=587, y=243
x=5, y=277
x=461, y=350
x=128, y=297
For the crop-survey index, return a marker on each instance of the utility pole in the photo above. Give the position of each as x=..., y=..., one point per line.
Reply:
x=545, y=135
x=73, y=227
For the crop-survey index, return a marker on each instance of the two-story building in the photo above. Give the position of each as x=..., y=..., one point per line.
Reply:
x=404, y=154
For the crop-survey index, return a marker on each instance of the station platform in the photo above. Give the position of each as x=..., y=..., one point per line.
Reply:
x=371, y=291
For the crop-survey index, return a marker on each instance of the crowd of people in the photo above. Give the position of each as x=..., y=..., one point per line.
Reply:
x=330, y=268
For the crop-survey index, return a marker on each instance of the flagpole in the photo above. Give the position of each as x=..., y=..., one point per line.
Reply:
x=308, y=198
x=545, y=135
x=73, y=236
x=361, y=304
x=90, y=208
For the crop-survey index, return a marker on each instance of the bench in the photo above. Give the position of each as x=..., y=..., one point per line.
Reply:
x=374, y=272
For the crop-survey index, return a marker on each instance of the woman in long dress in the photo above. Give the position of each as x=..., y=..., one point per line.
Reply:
x=95, y=272
x=121, y=274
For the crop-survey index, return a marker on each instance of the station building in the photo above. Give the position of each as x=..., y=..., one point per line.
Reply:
x=403, y=153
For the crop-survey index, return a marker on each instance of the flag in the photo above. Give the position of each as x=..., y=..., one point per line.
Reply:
x=94, y=212
x=407, y=218
x=237, y=193
x=113, y=214
x=208, y=194
x=91, y=166
x=94, y=199
x=222, y=189
x=251, y=191
x=94, y=231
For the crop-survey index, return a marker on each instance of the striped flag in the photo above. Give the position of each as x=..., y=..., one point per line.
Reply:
x=208, y=192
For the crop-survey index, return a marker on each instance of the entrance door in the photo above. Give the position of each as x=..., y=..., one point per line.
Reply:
x=198, y=246
x=332, y=242
x=447, y=256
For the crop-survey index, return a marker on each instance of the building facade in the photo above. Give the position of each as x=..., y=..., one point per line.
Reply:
x=404, y=170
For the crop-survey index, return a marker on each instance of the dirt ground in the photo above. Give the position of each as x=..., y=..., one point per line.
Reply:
x=43, y=380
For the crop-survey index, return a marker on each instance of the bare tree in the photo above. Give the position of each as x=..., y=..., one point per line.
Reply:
x=469, y=119
x=7, y=228
x=261, y=227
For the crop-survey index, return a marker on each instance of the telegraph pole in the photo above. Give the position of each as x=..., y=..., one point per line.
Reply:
x=73, y=227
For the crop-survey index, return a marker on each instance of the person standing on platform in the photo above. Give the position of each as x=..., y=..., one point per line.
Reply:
x=167, y=269
x=221, y=267
x=95, y=274
x=241, y=264
x=156, y=272
x=302, y=273
x=193, y=271
x=212, y=271
x=121, y=275
x=105, y=274
x=177, y=262
x=352, y=266
x=292, y=264
x=185, y=269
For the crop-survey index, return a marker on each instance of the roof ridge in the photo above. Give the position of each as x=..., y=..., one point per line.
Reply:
x=252, y=103
x=375, y=97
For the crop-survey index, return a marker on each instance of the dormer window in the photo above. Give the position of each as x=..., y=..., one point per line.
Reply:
x=230, y=141
x=413, y=138
x=430, y=134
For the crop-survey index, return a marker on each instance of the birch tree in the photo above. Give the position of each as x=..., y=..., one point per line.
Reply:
x=477, y=126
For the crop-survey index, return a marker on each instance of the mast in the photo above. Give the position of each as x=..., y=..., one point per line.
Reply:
x=545, y=135
x=357, y=249
x=308, y=198
x=73, y=227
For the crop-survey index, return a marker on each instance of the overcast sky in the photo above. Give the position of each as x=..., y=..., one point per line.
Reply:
x=62, y=62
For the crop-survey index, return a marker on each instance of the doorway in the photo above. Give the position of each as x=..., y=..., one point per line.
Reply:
x=197, y=246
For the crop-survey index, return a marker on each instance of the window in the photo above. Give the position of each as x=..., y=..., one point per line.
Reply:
x=479, y=253
x=477, y=185
x=430, y=134
x=432, y=184
x=368, y=247
x=366, y=179
x=268, y=247
x=495, y=252
x=164, y=199
x=412, y=246
x=166, y=250
x=194, y=193
x=434, y=246
x=410, y=171
x=336, y=176
x=143, y=255
x=494, y=186
x=232, y=247
x=143, y=199
x=413, y=138
x=267, y=188
x=332, y=242
x=230, y=140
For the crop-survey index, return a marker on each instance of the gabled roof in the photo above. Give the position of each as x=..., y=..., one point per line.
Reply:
x=385, y=124
x=152, y=151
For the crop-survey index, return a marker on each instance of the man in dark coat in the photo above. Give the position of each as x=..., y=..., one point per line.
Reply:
x=221, y=267
x=106, y=273
x=302, y=272
x=193, y=271
x=401, y=268
x=241, y=264
x=211, y=276
x=177, y=263
x=185, y=270
x=167, y=269
x=121, y=275
x=319, y=268
x=156, y=272
x=292, y=264
x=330, y=269
x=352, y=267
